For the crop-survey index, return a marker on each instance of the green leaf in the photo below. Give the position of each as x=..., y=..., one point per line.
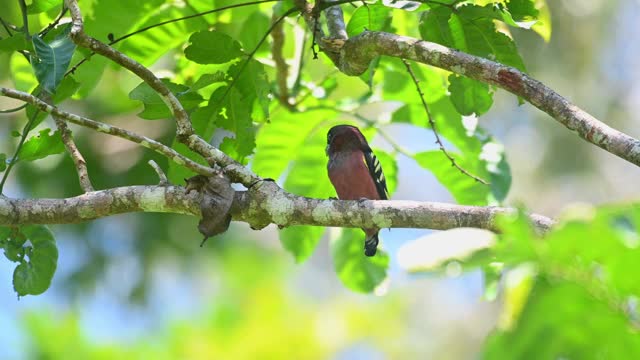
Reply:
x=203, y=120
x=40, y=6
x=523, y=10
x=155, y=108
x=22, y=73
x=372, y=17
x=41, y=146
x=3, y=162
x=466, y=31
x=34, y=276
x=212, y=47
x=308, y=173
x=356, y=271
x=253, y=84
x=463, y=188
x=543, y=26
x=255, y=27
x=237, y=119
x=573, y=337
x=52, y=59
x=470, y=96
x=208, y=79
x=154, y=43
x=301, y=241
x=17, y=42
x=500, y=178
x=279, y=142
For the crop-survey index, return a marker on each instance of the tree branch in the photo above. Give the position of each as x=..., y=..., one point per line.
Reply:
x=67, y=139
x=263, y=204
x=111, y=130
x=357, y=53
x=185, y=133
x=76, y=155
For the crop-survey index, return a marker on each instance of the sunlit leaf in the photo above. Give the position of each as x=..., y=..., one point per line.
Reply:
x=372, y=17
x=357, y=271
x=147, y=47
x=39, y=6
x=301, y=241
x=470, y=96
x=464, y=189
x=212, y=47
x=155, y=108
x=41, y=146
x=33, y=275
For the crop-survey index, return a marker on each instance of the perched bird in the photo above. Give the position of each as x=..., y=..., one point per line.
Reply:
x=355, y=172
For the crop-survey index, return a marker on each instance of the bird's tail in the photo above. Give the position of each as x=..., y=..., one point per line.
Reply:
x=371, y=244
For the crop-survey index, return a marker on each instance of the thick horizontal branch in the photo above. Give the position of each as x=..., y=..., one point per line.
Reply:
x=357, y=53
x=264, y=204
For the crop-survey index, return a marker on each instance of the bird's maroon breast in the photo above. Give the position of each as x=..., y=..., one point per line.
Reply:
x=350, y=177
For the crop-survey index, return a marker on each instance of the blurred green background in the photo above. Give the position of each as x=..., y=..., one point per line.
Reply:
x=138, y=285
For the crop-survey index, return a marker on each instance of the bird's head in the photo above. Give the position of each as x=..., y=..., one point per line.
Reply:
x=345, y=138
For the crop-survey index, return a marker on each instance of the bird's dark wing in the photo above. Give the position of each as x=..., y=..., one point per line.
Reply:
x=375, y=170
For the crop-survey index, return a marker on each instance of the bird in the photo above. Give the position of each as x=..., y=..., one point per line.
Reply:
x=355, y=173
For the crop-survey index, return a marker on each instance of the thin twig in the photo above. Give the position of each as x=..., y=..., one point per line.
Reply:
x=76, y=155
x=5, y=26
x=433, y=126
x=161, y=175
x=55, y=23
x=25, y=18
x=111, y=130
x=15, y=109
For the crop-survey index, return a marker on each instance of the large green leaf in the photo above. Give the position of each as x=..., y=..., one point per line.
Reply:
x=41, y=145
x=470, y=29
x=301, y=241
x=237, y=119
x=470, y=96
x=212, y=47
x=14, y=43
x=39, y=6
x=463, y=188
x=38, y=260
x=357, y=271
x=22, y=73
x=52, y=59
x=147, y=47
x=280, y=142
x=372, y=17
x=155, y=108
